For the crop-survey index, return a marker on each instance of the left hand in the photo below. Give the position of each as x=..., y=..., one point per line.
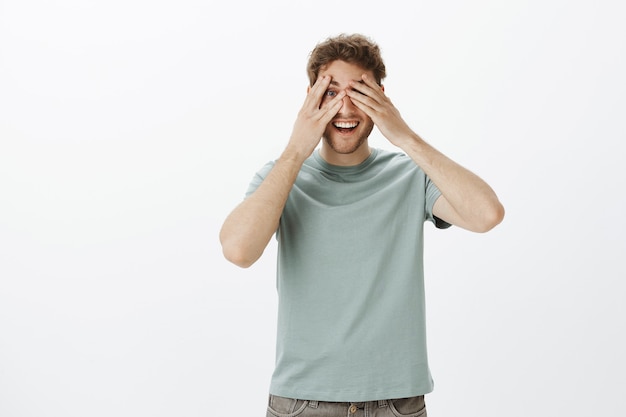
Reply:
x=370, y=97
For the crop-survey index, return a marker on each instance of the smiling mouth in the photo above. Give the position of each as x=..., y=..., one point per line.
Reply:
x=345, y=127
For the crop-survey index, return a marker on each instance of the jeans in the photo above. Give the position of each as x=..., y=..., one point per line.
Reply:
x=401, y=407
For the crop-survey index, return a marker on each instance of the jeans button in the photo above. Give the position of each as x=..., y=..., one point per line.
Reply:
x=352, y=409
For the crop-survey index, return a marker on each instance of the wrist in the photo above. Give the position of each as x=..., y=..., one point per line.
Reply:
x=409, y=142
x=293, y=155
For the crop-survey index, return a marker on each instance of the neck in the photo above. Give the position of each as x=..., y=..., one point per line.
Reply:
x=345, y=159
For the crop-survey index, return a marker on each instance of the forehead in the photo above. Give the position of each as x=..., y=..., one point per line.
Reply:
x=343, y=72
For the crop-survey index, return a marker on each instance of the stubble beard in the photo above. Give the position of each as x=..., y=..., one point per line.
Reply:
x=342, y=146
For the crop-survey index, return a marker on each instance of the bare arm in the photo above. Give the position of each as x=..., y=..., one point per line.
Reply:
x=249, y=227
x=466, y=201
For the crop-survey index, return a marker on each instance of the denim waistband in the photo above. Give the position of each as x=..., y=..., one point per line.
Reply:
x=379, y=403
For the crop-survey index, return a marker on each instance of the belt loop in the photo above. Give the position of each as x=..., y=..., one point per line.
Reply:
x=382, y=403
x=313, y=404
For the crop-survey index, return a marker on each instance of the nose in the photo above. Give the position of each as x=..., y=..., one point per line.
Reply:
x=348, y=105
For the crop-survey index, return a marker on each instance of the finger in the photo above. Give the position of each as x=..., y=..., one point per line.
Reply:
x=374, y=87
x=315, y=94
x=366, y=82
x=364, y=107
x=370, y=82
x=320, y=86
x=358, y=97
x=330, y=109
x=367, y=89
x=361, y=88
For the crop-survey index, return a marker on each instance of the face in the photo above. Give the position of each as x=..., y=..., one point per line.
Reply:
x=347, y=133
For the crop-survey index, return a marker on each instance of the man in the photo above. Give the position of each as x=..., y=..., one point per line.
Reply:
x=349, y=223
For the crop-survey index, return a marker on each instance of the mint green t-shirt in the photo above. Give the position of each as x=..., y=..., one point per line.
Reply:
x=351, y=315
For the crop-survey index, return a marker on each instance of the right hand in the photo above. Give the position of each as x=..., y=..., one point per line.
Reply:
x=313, y=118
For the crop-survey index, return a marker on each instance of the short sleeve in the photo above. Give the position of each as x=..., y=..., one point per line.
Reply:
x=258, y=178
x=432, y=194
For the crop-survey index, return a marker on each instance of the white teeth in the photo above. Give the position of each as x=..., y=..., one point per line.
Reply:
x=345, y=125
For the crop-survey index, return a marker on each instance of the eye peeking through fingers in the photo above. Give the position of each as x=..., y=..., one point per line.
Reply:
x=330, y=95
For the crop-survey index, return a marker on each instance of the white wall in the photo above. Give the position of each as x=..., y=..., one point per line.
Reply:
x=129, y=129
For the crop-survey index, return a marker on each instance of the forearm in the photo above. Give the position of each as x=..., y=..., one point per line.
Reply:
x=469, y=201
x=249, y=227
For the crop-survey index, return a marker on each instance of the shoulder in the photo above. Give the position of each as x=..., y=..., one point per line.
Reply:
x=265, y=169
x=397, y=161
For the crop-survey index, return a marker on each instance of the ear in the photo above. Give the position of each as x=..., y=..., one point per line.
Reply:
x=382, y=87
x=308, y=89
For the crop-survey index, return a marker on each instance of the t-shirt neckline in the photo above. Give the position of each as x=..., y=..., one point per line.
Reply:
x=345, y=169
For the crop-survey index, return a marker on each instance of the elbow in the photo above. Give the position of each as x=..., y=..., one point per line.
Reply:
x=236, y=254
x=491, y=217
x=238, y=258
x=241, y=262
